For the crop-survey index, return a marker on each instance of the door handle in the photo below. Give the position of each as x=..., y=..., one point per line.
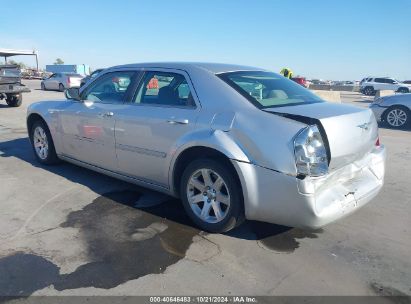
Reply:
x=175, y=121
x=107, y=114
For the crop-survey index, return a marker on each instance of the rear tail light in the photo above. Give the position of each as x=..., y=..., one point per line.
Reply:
x=310, y=153
x=377, y=143
x=68, y=80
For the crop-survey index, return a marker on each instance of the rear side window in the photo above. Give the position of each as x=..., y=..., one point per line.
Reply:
x=164, y=88
x=266, y=90
x=111, y=88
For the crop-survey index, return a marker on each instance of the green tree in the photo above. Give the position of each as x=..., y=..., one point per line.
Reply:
x=21, y=64
x=59, y=61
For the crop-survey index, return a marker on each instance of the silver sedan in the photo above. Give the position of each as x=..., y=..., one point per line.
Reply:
x=394, y=110
x=61, y=81
x=233, y=142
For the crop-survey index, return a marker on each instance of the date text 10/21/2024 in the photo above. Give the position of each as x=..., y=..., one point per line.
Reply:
x=204, y=299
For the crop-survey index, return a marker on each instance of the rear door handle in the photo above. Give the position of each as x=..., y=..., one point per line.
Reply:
x=107, y=114
x=175, y=121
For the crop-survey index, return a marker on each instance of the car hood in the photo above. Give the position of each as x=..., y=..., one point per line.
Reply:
x=350, y=132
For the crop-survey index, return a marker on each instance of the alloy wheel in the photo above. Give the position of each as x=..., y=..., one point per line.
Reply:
x=40, y=143
x=208, y=196
x=396, y=117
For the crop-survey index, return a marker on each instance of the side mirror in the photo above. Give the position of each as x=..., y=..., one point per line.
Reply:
x=72, y=93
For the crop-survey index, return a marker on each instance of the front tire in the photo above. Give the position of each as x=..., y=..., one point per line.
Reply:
x=42, y=143
x=397, y=117
x=212, y=196
x=14, y=100
x=369, y=91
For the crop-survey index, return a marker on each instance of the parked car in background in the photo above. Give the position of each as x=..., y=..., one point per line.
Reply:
x=301, y=81
x=371, y=85
x=90, y=77
x=348, y=83
x=232, y=142
x=320, y=82
x=61, y=81
x=394, y=110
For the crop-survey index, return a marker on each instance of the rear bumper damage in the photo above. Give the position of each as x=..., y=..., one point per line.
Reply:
x=311, y=203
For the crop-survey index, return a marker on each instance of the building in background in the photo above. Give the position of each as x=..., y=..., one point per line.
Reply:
x=82, y=69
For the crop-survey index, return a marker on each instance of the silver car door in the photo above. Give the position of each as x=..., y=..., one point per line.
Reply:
x=163, y=109
x=88, y=126
x=55, y=82
x=48, y=83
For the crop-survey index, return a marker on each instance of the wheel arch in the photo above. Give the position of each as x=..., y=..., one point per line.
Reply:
x=397, y=105
x=32, y=118
x=212, y=148
x=35, y=116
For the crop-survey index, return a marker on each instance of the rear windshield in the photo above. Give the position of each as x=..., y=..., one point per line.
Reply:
x=10, y=72
x=267, y=90
x=73, y=75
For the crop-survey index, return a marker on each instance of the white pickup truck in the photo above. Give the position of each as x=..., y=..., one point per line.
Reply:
x=370, y=85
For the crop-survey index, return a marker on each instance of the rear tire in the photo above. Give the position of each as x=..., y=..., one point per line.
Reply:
x=14, y=100
x=403, y=90
x=42, y=143
x=397, y=117
x=61, y=87
x=215, y=202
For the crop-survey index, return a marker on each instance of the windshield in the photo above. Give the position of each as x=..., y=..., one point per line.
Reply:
x=10, y=72
x=267, y=90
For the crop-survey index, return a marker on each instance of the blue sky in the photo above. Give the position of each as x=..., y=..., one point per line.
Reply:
x=319, y=39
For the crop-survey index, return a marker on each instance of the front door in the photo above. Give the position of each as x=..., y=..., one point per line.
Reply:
x=148, y=129
x=88, y=126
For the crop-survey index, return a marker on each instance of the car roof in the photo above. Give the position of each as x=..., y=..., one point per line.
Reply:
x=215, y=68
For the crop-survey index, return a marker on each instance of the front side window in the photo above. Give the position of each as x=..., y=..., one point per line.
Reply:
x=111, y=88
x=164, y=88
x=266, y=89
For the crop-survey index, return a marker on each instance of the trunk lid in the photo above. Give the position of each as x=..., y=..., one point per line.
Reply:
x=351, y=131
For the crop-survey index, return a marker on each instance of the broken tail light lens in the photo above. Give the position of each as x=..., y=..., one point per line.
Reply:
x=377, y=143
x=310, y=152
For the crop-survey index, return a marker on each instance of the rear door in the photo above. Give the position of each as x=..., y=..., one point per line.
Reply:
x=88, y=126
x=163, y=109
x=380, y=84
